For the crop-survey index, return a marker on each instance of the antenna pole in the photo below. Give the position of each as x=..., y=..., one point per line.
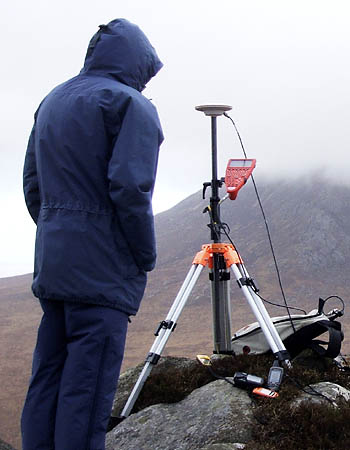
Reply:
x=219, y=274
x=214, y=200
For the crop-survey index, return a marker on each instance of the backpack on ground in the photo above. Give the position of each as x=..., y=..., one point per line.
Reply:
x=307, y=327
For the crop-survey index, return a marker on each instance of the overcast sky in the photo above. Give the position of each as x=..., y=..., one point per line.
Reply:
x=284, y=67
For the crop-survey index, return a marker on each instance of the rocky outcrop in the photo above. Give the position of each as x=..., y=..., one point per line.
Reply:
x=214, y=413
x=325, y=393
x=214, y=416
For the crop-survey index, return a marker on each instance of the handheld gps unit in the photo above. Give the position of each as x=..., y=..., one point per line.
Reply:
x=275, y=377
x=237, y=173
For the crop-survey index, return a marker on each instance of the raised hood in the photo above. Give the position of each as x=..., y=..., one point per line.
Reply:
x=120, y=50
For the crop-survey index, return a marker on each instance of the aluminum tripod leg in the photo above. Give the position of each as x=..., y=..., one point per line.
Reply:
x=163, y=334
x=262, y=316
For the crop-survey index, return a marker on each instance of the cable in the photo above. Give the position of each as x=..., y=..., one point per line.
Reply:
x=313, y=392
x=223, y=226
x=239, y=136
x=280, y=306
x=219, y=377
x=266, y=226
x=214, y=226
x=226, y=229
x=339, y=298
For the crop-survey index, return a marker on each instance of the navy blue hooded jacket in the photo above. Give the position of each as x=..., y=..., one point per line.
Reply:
x=89, y=174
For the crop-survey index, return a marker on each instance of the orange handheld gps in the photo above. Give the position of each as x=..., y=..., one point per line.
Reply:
x=237, y=173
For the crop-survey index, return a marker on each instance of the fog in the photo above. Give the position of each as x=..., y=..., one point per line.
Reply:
x=282, y=66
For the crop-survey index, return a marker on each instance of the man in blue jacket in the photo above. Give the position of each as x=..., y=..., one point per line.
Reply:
x=89, y=174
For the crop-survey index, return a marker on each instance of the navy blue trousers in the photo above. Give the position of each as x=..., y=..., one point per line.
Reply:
x=76, y=366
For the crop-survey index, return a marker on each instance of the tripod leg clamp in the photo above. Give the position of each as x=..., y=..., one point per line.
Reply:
x=245, y=281
x=165, y=324
x=153, y=358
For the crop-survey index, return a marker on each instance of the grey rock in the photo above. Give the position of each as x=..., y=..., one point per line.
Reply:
x=219, y=357
x=332, y=391
x=216, y=413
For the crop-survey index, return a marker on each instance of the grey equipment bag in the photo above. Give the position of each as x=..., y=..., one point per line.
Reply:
x=250, y=339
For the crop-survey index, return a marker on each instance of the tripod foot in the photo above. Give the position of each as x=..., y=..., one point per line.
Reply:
x=283, y=357
x=113, y=422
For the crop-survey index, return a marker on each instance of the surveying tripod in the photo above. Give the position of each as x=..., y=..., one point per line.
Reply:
x=221, y=259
